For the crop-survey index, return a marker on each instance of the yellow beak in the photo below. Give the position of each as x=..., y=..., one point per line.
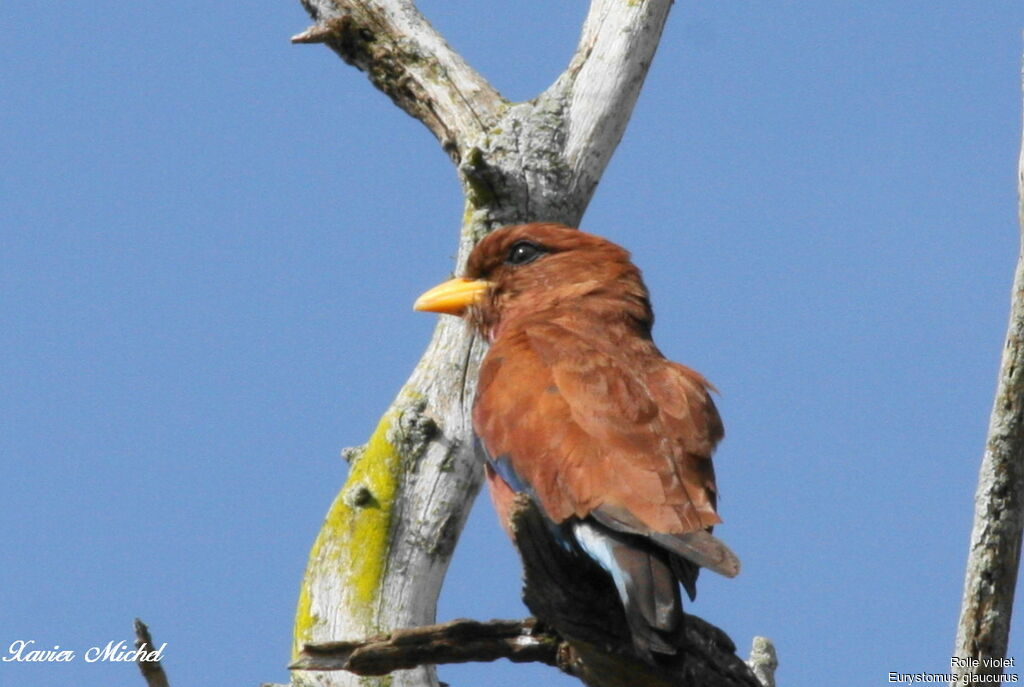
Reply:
x=453, y=296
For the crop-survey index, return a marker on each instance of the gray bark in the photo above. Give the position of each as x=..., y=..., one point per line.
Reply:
x=994, y=554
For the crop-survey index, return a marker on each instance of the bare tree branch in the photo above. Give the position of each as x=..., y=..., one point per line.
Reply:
x=409, y=61
x=994, y=555
x=458, y=641
x=604, y=80
x=152, y=671
x=544, y=158
x=463, y=641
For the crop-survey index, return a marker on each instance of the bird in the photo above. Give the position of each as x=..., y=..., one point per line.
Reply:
x=578, y=409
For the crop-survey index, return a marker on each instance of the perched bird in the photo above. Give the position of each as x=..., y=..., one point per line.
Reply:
x=576, y=407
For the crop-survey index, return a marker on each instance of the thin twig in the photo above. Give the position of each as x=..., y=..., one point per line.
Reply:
x=763, y=661
x=151, y=670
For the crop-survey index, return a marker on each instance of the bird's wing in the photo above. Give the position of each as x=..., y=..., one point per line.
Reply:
x=618, y=442
x=627, y=437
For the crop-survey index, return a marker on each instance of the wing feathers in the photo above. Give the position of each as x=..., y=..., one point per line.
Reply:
x=702, y=548
x=617, y=441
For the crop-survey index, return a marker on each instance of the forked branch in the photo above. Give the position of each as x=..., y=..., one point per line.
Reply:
x=568, y=133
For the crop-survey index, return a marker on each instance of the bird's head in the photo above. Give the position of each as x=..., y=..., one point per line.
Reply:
x=542, y=269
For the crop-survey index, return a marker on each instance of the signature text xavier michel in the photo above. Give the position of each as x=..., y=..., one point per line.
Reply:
x=25, y=650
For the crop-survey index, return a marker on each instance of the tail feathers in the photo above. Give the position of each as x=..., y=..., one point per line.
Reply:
x=645, y=582
x=645, y=568
x=650, y=587
x=686, y=572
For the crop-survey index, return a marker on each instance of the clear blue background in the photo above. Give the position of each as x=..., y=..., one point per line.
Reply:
x=211, y=240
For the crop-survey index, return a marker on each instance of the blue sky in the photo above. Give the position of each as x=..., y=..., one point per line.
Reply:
x=211, y=241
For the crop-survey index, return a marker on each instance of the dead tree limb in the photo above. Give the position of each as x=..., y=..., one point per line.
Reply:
x=458, y=641
x=411, y=63
x=994, y=554
x=463, y=641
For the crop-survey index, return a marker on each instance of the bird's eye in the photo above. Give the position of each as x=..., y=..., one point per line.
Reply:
x=523, y=252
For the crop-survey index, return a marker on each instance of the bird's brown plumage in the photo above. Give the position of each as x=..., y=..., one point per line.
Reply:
x=576, y=394
x=576, y=406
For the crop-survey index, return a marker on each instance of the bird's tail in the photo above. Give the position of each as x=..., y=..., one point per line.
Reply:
x=646, y=584
x=645, y=569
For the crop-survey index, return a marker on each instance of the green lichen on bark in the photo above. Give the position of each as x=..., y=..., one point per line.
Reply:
x=353, y=544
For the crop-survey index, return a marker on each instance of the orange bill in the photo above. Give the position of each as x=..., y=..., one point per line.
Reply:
x=453, y=296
